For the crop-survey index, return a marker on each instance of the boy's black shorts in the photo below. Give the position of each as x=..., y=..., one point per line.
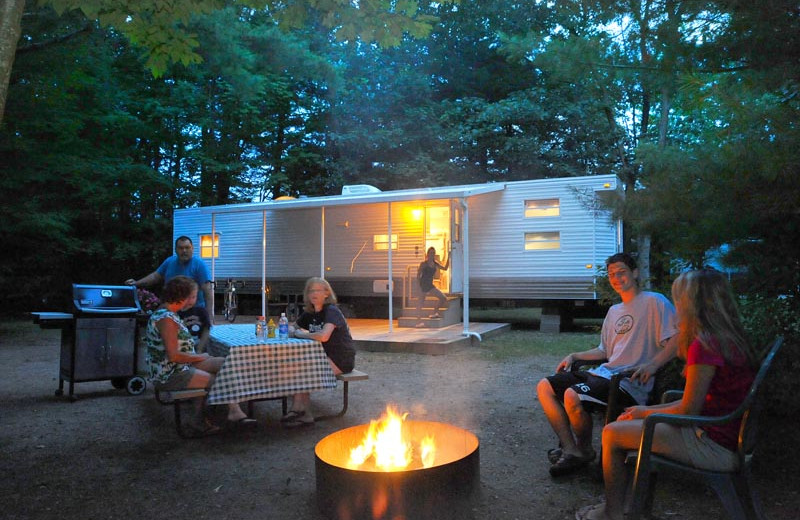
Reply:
x=593, y=390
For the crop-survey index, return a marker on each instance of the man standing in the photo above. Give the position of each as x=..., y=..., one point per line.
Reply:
x=636, y=335
x=198, y=319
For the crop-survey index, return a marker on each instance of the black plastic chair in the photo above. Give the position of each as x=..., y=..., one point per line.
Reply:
x=733, y=488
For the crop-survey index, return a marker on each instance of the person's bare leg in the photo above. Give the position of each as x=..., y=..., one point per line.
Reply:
x=211, y=366
x=556, y=416
x=420, y=303
x=580, y=421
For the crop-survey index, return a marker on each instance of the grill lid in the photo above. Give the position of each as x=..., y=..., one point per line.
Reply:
x=105, y=299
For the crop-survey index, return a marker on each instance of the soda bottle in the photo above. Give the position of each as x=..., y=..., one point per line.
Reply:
x=271, y=328
x=283, y=327
x=261, y=327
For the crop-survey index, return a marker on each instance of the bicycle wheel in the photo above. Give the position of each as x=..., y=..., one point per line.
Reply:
x=230, y=308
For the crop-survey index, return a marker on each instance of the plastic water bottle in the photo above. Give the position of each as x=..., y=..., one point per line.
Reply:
x=261, y=327
x=283, y=327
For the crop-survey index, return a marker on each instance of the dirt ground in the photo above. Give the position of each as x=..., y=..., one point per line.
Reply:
x=109, y=455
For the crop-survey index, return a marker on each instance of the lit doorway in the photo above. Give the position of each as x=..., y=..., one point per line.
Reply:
x=437, y=235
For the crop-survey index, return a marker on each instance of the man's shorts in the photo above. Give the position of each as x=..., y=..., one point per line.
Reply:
x=591, y=389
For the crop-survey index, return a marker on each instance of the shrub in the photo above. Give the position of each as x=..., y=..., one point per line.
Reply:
x=765, y=319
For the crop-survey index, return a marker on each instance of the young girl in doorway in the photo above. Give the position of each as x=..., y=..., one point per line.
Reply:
x=322, y=321
x=425, y=274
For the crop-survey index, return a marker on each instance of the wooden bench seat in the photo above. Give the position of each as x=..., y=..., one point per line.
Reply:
x=346, y=378
x=176, y=398
x=355, y=375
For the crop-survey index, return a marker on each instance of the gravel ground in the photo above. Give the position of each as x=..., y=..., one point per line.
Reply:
x=109, y=455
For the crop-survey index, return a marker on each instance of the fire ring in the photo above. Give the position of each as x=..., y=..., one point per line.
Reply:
x=440, y=491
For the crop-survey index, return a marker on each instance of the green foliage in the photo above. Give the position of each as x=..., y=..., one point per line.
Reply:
x=765, y=318
x=162, y=29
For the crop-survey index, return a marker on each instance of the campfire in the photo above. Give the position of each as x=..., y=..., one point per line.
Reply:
x=396, y=468
x=388, y=445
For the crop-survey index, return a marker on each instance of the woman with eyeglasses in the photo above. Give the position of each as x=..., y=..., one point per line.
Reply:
x=322, y=321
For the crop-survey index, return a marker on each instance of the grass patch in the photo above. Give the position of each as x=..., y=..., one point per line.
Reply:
x=527, y=343
x=518, y=317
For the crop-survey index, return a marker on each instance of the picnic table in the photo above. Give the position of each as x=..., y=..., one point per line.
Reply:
x=265, y=368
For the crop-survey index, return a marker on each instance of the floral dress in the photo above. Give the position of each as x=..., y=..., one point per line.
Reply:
x=160, y=368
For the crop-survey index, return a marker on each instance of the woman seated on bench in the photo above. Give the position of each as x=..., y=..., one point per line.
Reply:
x=171, y=357
x=719, y=371
x=322, y=321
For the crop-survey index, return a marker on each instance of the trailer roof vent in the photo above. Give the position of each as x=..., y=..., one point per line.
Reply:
x=359, y=189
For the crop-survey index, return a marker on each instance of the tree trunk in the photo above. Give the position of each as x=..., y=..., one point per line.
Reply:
x=643, y=246
x=10, y=30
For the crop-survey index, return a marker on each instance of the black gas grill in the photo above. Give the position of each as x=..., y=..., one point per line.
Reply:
x=99, y=339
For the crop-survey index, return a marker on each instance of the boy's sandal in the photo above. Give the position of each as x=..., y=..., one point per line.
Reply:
x=553, y=455
x=595, y=512
x=567, y=464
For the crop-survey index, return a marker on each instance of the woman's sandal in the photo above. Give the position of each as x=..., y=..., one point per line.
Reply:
x=204, y=430
x=243, y=424
x=291, y=416
x=300, y=419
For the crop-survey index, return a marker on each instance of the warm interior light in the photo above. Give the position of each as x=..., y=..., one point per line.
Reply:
x=589, y=266
x=416, y=213
x=387, y=446
x=607, y=185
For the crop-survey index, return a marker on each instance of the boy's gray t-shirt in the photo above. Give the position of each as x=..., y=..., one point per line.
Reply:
x=632, y=335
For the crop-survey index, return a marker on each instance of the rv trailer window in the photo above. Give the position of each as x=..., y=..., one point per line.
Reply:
x=542, y=208
x=381, y=242
x=206, y=247
x=542, y=240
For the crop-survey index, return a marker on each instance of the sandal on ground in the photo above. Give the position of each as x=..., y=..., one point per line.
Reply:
x=291, y=416
x=243, y=423
x=595, y=512
x=300, y=419
x=567, y=464
x=204, y=429
x=553, y=455
x=589, y=457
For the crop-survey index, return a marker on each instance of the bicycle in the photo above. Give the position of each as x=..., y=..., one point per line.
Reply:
x=231, y=301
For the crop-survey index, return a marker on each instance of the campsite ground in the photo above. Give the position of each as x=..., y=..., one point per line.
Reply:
x=113, y=456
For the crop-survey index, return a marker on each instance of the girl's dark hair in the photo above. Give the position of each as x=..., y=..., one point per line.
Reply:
x=178, y=289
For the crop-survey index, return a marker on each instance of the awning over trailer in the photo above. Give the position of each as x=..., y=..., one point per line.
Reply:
x=446, y=192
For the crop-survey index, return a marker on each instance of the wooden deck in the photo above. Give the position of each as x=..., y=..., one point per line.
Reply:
x=374, y=335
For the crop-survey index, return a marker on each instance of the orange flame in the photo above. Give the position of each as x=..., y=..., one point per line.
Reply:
x=387, y=444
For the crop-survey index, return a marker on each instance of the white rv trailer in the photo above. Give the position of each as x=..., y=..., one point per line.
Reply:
x=538, y=240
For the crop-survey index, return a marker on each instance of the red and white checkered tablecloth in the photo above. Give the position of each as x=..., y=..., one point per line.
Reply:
x=257, y=368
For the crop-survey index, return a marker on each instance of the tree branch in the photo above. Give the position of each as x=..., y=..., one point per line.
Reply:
x=56, y=39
